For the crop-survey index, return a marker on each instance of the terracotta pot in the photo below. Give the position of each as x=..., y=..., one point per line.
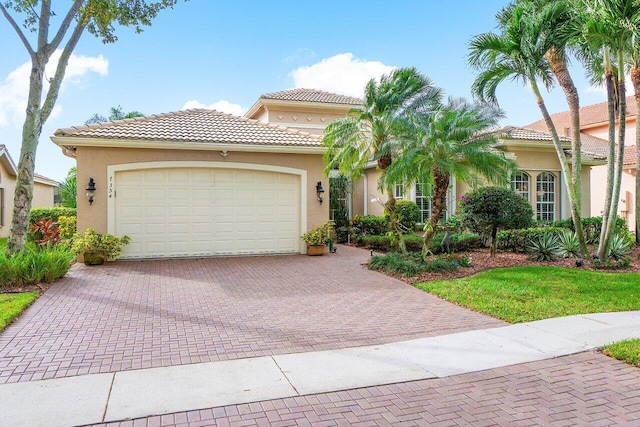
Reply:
x=94, y=257
x=315, y=250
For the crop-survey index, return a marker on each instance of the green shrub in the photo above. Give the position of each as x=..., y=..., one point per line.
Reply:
x=33, y=267
x=382, y=243
x=368, y=225
x=568, y=244
x=36, y=214
x=408, y=215
x=544, y=247
x=395, y=262
x=518, y=240
x=412, y=264
x=67, y=225
x=459, y=242
x=592, y=227
x=490, y=209
x=620, y=246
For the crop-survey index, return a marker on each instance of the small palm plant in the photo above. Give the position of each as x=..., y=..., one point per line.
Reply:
x=620, y=247
x=568, y=244
x=544, y=248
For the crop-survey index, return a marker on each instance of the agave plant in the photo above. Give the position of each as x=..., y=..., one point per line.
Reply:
x=620, y=246
x=568, y=244
x=544, y=248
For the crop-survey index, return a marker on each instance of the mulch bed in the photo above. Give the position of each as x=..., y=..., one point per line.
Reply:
x=481, y=260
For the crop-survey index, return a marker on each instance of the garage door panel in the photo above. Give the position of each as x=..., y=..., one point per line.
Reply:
x=195, y=212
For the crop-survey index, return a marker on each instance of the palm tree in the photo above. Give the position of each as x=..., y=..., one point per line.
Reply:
x=519, y=53
x=457, y=140
x=370, y=133
x=610, y=29
x=115, y=113
x=69, y=190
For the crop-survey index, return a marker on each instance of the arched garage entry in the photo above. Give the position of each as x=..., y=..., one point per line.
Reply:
x=186, y=209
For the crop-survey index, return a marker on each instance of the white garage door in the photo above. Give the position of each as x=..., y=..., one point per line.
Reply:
x=197, y=211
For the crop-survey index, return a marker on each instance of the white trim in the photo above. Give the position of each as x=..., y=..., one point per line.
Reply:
x=563, y=194
x=111, y=183
x=365, y=195
x=67, y=142
x=290, y=125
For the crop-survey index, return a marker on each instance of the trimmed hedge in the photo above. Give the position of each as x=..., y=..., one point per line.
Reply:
x=459, y=242
x=592, y=227
x=368, y=225
x=53, y=213
x=519, y=240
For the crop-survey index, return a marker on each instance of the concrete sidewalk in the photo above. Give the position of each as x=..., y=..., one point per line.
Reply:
x=116, y=396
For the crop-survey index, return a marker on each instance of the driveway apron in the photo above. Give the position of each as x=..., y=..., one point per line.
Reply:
x=139, y=314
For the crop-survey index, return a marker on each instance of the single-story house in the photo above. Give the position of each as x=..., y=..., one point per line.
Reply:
x=594, y=128
x=199, y=182
x=44, y=190
x=312, y=110
x=538, y=179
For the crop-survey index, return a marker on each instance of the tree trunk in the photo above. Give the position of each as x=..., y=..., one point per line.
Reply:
x=397, y=242
x=635, y=79
x=564, y=167
x=603, y=246
x=31, y=131
x=440, y=187
x=558, y=65
x=619, y=162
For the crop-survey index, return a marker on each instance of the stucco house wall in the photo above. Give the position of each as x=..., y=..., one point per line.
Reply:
x=93, y=161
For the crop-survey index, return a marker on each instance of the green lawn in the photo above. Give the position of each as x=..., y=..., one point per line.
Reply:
x=523, y=294
x=628, y=351
x=11, y=305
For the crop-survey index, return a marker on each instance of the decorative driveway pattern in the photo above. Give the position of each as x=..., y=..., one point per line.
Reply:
x=586, y=389
x=140, y=314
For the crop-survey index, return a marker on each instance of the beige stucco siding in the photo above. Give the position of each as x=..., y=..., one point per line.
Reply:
x=93, y=162
x=42, y=195
x=627, y=193
x=308, y=120
x=602, y=132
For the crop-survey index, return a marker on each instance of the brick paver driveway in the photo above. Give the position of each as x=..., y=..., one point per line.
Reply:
x=131, y=315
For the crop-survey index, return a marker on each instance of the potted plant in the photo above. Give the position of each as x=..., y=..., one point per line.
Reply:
x=317, y=238
x=96, y=248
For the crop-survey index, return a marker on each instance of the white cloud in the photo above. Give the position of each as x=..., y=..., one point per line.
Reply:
x=222, y=105
x=14, y=89
x=341, y=74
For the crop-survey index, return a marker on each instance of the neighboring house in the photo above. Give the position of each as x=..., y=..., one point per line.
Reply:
x=43, y=191
x=594, y=126
x=197, y=183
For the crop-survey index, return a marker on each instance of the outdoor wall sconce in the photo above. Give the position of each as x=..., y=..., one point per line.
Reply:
x=91, y=190
x=320, y=191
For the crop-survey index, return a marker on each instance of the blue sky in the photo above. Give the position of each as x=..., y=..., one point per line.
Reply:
x=226, y=53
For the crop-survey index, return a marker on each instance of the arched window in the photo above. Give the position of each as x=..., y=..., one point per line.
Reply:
x=546, y=197
x=520, y=184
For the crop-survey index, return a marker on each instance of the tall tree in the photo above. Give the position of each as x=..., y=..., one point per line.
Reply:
x=456, y=140
x=609, y=29
x=98, y=17
x=519, y=53
x=370, y=133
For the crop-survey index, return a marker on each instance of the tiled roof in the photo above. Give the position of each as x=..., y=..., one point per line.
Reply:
x=198, y=125
x=312, y=95
x=512, y=132
x=589, y=115
x=599, y=148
